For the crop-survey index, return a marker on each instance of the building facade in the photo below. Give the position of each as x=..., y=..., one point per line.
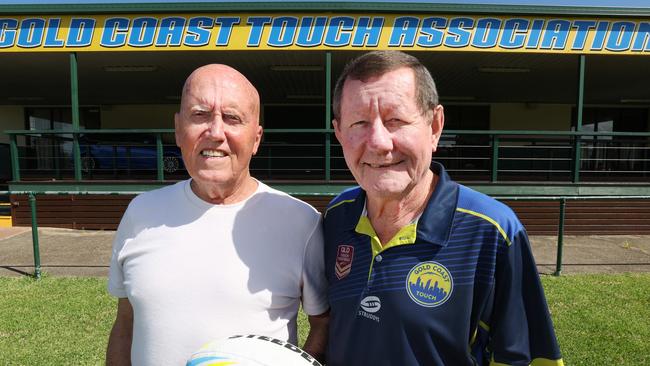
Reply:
x=541, y=101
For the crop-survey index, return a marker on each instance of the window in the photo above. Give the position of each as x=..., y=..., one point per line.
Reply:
x=605, y=119
x=47, y=151
x=60, y=118
x=464, y=156
x=291, y=155
x=613, y=155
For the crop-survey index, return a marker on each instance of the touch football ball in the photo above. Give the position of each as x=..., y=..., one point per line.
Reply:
x=251, y=350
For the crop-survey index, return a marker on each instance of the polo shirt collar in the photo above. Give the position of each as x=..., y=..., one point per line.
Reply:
x=434, y=225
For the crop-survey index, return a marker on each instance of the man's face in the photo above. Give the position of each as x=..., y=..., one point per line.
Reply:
x=387, y=140
x=217, y=127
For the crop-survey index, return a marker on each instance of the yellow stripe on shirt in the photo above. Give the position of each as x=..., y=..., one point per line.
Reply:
x=536, y=362
x=488, y=219
x=337, y=204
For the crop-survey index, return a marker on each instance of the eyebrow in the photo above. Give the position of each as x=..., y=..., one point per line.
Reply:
x=196, y=108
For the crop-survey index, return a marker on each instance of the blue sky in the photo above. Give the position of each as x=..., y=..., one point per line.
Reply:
x=585, y=3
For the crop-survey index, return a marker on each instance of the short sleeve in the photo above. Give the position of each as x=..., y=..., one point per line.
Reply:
x=115, y=274
x=522, y=331
x=314, y=283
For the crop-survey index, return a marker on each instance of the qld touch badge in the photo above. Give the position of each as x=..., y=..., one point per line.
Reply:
x=344, y=255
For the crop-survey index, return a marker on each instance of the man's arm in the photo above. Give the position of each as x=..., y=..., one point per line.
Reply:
x=521, y=327
x=118, y=352
x=316, y=342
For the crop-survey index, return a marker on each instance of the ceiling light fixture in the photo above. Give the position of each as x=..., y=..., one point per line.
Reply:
x=296, y=68
x=503, y=70
x=304, y=96
x=25, y=99
x=130, y=68
x=637, y=101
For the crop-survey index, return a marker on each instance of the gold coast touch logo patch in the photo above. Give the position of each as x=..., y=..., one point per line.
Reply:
x=429, y=284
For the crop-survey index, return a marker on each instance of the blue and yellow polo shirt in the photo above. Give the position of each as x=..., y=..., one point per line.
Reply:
x=457, y=287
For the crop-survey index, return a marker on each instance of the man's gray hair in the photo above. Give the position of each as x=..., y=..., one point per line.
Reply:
x=378, y=63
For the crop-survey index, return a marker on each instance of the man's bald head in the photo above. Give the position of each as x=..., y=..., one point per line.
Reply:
x=218, y=132
x=219, y=73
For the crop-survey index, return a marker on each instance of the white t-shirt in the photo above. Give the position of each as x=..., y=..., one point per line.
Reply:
x=194, y=271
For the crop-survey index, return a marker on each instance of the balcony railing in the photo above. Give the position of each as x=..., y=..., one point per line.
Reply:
x=315, y=155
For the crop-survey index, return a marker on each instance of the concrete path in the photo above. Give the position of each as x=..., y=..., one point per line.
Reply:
x=67, y=252
x=592, y=254
x=63, y=252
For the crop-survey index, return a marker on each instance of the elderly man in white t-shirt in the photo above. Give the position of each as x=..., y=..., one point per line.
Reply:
x=218, y=254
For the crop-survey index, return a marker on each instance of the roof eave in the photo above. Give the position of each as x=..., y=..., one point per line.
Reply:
x=342, y=6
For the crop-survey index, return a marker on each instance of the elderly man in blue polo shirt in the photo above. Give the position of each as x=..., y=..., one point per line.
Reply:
x=421, y=270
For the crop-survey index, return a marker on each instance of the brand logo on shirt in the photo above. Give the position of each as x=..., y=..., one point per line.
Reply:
x=429, y=284
x=369, y=306
x=344, y=256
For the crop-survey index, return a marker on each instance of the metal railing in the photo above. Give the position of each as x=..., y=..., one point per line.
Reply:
x=562, y=200
x=562, y=215
x=313, y=154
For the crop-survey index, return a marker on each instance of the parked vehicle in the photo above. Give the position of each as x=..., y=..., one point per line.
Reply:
x=127, y=153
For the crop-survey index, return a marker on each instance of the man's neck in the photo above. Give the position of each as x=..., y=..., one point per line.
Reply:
x=225, y=194
x=388, y=216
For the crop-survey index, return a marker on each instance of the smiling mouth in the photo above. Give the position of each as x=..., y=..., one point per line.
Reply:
x=379, y=166
x=213, y=153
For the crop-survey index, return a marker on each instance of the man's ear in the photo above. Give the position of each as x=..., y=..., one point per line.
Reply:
x=258, y=138
x=437, y=124
x=337, y=129
x=177, y=122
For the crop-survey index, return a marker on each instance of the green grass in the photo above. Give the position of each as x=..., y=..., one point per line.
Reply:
x=54, y=321
x=599, y=319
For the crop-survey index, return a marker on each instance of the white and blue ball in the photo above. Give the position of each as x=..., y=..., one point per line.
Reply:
x=251, y=350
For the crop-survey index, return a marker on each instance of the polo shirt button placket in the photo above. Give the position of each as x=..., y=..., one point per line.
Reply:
x=371, y=279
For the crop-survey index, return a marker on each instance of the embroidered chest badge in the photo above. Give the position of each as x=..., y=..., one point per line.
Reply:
x=429, y=284
x=344, y=256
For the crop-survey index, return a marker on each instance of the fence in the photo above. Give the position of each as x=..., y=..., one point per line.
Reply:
x=562, y=200
x=314, y=155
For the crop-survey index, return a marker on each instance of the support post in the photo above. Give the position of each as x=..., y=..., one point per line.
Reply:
x=328, y=116
x=15, y=161
x=495, y=158
x=560, y=238
x=74, y=86
x=37, y=253
x=159, y=157
x=576, y=141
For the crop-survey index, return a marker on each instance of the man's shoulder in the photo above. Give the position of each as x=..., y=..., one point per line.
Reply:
x=469, y=197
x=481, y=205
x=280, y=199
x=156, y=201
x=343, y=205
x=156, y=197
x=343, y=200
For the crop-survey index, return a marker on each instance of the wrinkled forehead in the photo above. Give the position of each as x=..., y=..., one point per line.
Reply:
x=215, y=90
x=392, y=90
